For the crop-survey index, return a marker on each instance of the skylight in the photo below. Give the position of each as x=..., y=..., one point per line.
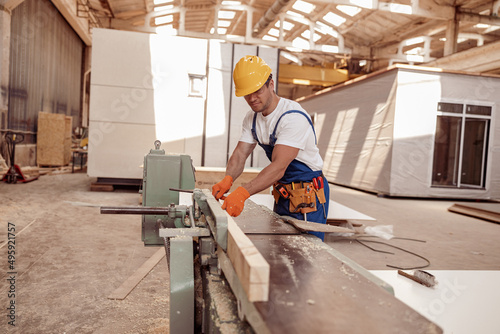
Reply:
x=307, y=34
x=286, y=25
x=330, y=48
x=398, y=8
x=223, y=23
x=231, y=3
x=162, y=2
x=226, y=14
x=164, y=19
x=168, y=5
x=334, y=19
x=324, y=29
x=300, y=43
x=415, y=40
x=363, y=3
x=482, y=26
x=303, y=6
x=274, y=32
x=269, y=38
x=349, y=10
x=220, y=31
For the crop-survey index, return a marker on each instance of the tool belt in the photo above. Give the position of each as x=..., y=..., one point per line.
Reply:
x=302, y=196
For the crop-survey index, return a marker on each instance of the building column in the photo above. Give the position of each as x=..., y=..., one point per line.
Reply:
x=5, y=18
x=450, y=46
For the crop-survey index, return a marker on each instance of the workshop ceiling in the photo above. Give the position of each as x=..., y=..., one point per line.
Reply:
x=361, y=35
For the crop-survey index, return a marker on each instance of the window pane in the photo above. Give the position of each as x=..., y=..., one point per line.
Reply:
x=446, y=147
x=474, y=143
x=450, y=107
x=478, y=110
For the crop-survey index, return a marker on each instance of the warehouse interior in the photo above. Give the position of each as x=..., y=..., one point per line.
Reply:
x=94, y=93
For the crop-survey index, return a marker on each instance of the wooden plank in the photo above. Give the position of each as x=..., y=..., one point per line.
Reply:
x=94, y=186
x=131, y=282
x=250, y=266
x=486, y=211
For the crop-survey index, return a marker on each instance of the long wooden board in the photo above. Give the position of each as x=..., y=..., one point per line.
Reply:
x=250, y=266
x=123, y=290
x=486, y=211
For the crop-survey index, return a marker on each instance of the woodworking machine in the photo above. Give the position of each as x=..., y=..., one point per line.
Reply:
x=311, y=288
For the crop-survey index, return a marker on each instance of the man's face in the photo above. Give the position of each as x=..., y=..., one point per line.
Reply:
x=260, y=100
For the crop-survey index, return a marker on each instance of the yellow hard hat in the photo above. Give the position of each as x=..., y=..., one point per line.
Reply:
x=250, y=73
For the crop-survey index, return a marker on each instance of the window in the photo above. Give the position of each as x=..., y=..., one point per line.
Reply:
x=461, y=145
x=196, y=85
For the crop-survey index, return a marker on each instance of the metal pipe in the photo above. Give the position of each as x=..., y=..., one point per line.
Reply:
x=135, y=210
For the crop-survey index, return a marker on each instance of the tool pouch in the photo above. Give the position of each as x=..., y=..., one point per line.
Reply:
x=301, y=197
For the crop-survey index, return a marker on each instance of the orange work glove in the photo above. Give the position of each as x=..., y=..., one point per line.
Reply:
x=235, y=202
x=219, y=189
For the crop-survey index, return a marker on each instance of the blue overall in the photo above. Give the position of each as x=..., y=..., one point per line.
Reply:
x=296, y=172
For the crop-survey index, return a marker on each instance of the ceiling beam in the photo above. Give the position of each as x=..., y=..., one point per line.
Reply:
x=10, y=4
x=478, y=18
x=111, y=8
x=479, y=59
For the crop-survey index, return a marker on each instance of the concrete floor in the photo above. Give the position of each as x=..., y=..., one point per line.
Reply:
x=69, y=257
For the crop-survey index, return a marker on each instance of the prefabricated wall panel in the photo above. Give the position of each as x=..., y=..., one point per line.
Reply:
x=354, y=125
x=121, y=117
x=377, y=133
x=174, y=89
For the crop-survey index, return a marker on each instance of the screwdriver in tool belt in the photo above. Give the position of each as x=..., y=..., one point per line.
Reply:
x=318, y=184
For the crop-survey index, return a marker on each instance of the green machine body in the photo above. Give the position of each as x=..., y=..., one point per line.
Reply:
x=163, y=172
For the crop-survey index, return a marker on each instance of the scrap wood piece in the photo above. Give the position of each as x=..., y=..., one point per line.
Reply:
x=486, y=211
x=131, y=282
x=421, y=277
x=316, y=227
x=249, y=264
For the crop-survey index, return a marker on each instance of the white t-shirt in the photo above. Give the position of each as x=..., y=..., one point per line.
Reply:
x=293, y=130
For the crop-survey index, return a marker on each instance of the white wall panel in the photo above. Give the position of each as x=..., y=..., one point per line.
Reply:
x=218, y=99
x=122, y=104
x=123, y=58
x=116, y=150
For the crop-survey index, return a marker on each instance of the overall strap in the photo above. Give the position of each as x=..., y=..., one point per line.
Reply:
x=254, y=133
x=272, y=137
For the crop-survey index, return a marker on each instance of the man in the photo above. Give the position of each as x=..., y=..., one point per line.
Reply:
x=286, y=133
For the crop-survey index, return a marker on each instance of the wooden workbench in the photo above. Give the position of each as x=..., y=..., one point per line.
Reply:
x=314, y=289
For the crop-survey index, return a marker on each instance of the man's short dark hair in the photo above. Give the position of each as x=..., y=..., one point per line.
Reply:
x=268, y=79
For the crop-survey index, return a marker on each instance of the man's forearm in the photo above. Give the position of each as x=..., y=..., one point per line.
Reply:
x=266, y=178
x=235, y=167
